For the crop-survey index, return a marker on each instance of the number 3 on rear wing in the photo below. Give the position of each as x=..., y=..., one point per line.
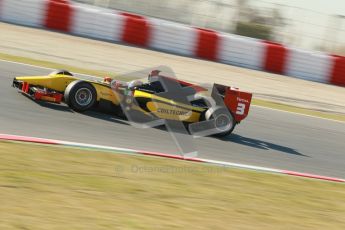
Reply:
x=238, y=102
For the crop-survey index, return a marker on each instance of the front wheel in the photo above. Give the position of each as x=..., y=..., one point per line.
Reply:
x=80, y=95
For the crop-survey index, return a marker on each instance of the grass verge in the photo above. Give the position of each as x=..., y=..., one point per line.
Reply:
x=264, y=103
x=47, y=187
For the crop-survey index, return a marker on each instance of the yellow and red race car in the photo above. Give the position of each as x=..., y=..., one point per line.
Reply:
x=225, y=108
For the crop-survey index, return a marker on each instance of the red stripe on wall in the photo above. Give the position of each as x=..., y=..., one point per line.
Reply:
x=136, y=30
x=275, y=57
x=59, y=15
x=207, y=44
x=338, y=70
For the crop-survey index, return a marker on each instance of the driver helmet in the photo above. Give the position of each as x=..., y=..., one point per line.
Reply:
x=116, y=84
x=134, y=83
x=107, y=80
x=154, y=73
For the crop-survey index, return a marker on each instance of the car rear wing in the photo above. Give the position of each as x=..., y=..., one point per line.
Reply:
x=238, y=102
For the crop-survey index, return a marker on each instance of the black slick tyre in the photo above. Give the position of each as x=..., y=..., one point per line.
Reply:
x=223, y=120
x=80, y=95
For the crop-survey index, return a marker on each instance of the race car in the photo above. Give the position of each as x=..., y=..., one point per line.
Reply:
x=224, y=109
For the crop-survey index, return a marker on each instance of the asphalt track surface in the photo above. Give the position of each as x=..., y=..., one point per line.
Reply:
x=267, y=138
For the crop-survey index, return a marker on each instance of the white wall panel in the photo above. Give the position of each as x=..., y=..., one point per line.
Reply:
x=97, y=24
x=241, y=51
x=24, y=12
x=173, y=37
x=308, y=65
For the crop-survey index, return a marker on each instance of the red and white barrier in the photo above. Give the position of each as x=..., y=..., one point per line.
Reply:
x=84, y=20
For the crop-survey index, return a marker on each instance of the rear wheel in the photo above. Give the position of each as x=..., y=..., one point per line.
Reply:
x=223, y=120
x=80, y=95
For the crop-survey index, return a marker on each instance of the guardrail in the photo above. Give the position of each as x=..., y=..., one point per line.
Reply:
x=84, y=20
